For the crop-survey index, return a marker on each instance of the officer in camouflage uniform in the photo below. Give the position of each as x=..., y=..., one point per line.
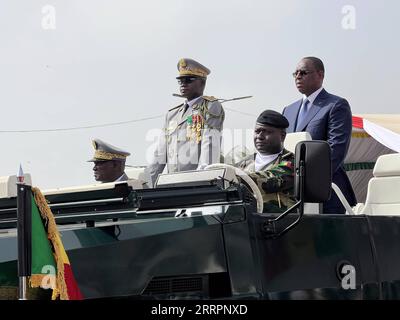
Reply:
x=192, y=130
x=272, y=166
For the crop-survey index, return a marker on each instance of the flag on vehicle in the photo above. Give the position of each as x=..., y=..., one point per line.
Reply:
x=50, y=266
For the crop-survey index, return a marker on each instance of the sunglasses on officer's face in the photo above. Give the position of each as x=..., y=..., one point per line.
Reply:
x=186, y=80
x=301, y=73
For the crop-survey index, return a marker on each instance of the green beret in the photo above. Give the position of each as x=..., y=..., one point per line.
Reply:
x=273, y=119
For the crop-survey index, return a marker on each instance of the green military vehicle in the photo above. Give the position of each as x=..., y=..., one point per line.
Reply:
x=199, y=235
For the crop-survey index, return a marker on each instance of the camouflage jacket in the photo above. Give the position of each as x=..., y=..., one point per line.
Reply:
x=275, y=180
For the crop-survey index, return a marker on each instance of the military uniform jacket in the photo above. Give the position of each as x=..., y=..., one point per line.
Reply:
x=124, y=177
x=275, y=180
x=191, y=139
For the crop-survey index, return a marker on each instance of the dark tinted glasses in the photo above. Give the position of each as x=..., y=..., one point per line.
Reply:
x=301, y=73
x=186, y=80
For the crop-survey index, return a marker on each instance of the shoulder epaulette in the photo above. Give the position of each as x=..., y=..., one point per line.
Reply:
x=210, y=98
x=176, y=107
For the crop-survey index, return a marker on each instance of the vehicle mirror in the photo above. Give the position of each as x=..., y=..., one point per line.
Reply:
x=313, y=161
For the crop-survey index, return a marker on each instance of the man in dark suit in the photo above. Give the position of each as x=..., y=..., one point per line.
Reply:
x=326, y=117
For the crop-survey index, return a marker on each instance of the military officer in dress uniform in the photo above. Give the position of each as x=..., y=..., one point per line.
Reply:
x=192, y=132
x=109, y=162
x=272, y=166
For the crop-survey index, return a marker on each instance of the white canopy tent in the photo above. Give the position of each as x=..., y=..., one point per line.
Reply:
x=373, y=135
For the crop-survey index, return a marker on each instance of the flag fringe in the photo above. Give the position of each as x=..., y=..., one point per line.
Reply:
x=36, y=281
x=55, y=239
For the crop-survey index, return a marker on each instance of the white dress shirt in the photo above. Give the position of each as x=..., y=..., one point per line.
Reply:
x=193, y=101
x=312, y=96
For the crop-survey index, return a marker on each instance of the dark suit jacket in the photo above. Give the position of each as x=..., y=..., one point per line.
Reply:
x=329, y=119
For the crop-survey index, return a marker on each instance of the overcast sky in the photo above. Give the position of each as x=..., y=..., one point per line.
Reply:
x=75, y=63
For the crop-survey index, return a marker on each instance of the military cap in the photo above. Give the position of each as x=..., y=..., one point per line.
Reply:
x=191, y=68
x=273, y=119
x=105, y=151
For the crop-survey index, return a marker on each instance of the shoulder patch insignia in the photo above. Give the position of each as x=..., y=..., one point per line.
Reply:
x=286, y=164
x=210, y=98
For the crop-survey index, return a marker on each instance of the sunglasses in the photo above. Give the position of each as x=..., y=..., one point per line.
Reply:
x=186, y=80
x=101, y=162
x=301, y=73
